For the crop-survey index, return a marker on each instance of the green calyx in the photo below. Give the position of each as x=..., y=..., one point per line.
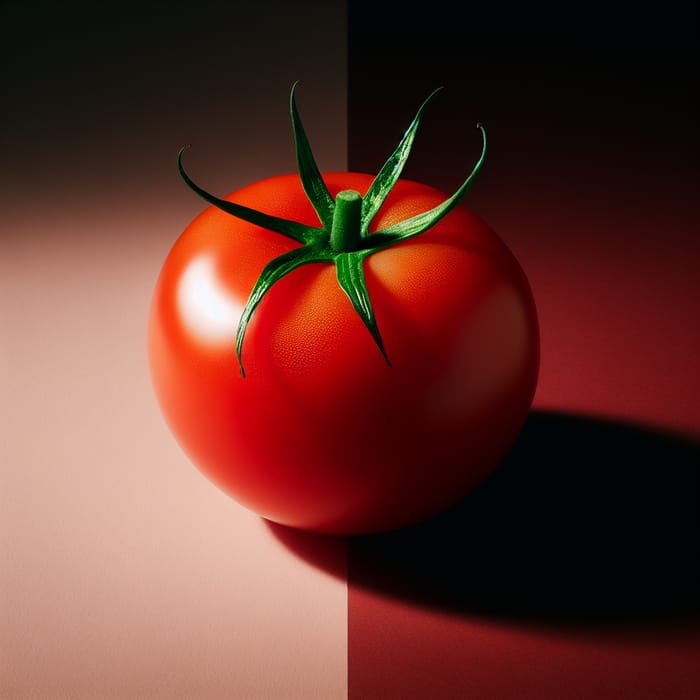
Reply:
x=343, y=239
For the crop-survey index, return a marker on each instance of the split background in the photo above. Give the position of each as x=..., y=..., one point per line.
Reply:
x=125, y=574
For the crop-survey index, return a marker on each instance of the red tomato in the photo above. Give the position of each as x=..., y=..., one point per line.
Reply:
x=322, y=433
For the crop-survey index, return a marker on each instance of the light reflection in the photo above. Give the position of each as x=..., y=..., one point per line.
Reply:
x=206, y=307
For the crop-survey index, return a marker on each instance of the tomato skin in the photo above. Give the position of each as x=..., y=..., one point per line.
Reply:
x=321, y=434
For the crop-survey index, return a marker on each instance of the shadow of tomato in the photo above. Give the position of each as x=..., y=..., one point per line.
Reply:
x=585, y=521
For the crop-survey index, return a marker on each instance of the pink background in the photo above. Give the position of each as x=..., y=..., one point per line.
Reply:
x=123, y=572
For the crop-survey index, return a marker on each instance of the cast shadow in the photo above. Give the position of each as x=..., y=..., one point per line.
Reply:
x=585, y=521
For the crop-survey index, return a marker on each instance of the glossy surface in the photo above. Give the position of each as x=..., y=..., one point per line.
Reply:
x=321, y=434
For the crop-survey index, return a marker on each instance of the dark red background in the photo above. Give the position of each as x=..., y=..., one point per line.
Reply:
x=573, y=572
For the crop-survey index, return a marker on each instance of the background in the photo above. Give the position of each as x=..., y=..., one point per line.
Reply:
x=573, y=572
x=124, y=573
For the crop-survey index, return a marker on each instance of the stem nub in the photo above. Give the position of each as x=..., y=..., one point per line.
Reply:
x=346, y=231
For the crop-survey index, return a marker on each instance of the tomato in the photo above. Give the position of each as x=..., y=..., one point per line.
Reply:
x=337, y=413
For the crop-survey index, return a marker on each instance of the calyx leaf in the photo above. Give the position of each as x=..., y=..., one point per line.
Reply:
x=343, y=238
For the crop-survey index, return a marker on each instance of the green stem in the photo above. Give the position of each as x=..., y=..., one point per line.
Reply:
x=343, y=238
x=346, y=231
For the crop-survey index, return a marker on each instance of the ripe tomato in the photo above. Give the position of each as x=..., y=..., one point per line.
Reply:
x=332, y=428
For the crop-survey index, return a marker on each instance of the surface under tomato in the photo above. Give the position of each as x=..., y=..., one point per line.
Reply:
x=322, y=433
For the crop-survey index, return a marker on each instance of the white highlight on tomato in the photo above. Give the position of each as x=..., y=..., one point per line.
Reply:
x=207, y=308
